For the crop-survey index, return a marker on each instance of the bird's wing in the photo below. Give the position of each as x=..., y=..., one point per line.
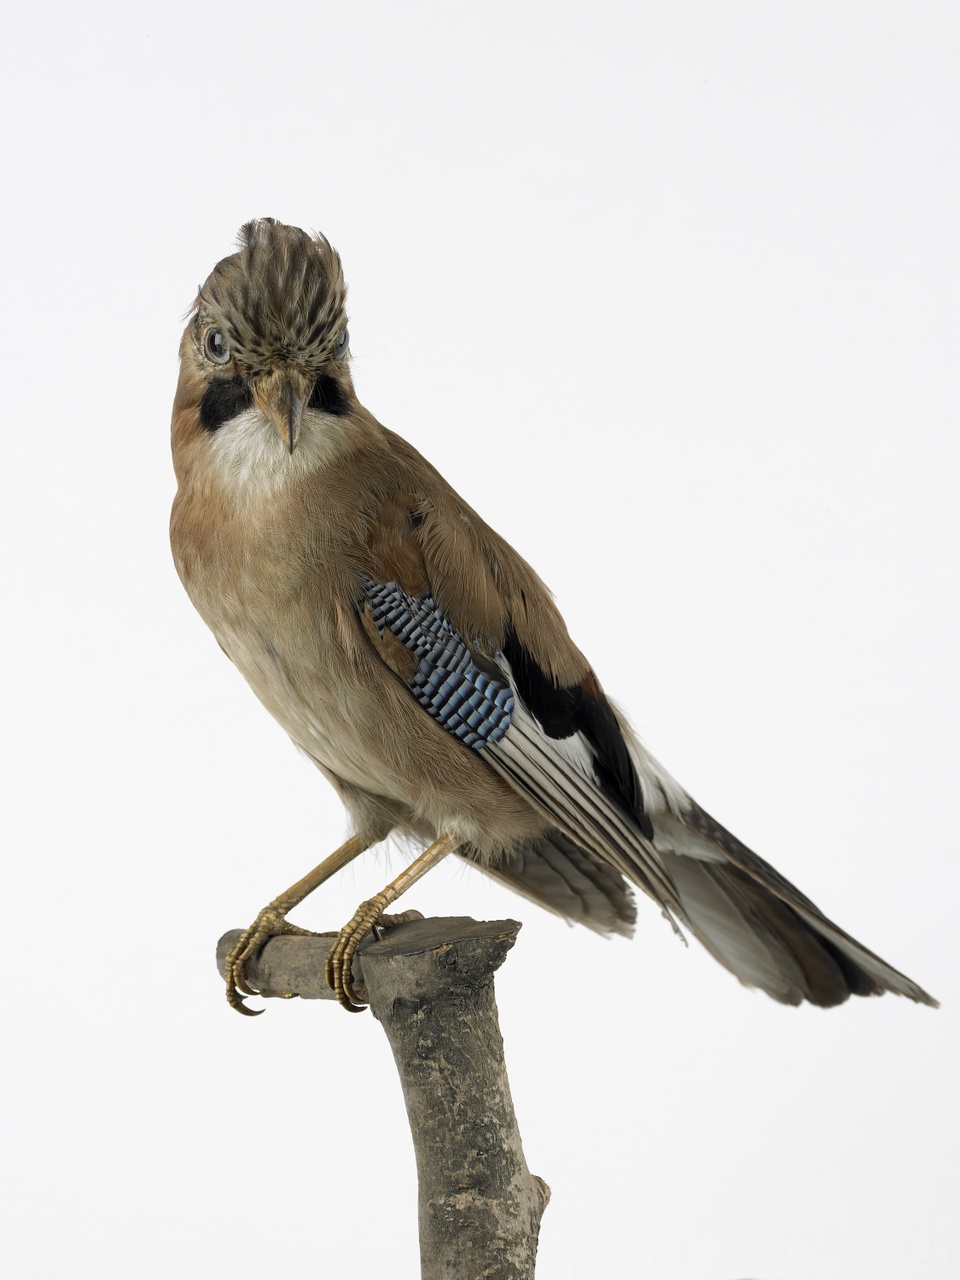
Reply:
x=474, y=634
x=477, y=639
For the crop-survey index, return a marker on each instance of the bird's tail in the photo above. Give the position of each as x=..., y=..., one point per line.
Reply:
x=760, y=927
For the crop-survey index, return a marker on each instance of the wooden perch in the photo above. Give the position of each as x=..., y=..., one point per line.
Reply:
x=430, y=985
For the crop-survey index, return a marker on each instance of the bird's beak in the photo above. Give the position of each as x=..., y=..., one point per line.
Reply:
x=283, y=399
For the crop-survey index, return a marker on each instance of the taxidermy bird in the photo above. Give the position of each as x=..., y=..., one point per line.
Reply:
x=422, y=665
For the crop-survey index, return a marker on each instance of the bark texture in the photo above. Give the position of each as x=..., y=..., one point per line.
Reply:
x=430, y=985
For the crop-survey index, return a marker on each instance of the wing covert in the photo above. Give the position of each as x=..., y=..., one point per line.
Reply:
x=472, y=705
x=559, y=744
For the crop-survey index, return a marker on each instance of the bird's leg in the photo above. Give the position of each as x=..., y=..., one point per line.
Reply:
x=272, y=921
x=370, y=913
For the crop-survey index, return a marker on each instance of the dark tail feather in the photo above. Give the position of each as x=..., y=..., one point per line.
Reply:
x=761, y=927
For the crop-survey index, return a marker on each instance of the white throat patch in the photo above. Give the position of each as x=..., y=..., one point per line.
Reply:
x=252, y=461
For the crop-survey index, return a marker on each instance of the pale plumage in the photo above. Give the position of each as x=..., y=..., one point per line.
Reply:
x=420, y=662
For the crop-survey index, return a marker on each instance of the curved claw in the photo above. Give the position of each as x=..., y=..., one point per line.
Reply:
x=236, y=1001
x=237, y=985
x=348, y=996
x=239, y=978
x=340, y=959
x=350, y=1006
x=337, y=973
x=270, y=923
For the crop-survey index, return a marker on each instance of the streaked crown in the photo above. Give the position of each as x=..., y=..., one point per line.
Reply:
x=279, y=300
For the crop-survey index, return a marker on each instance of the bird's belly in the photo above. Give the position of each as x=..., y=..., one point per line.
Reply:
x=362, y=727
x=323, y=715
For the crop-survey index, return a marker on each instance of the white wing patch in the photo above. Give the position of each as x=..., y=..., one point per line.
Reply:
x=559, y=776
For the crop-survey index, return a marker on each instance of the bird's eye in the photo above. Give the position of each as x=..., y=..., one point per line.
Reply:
x=215, y=347
x=340, y=350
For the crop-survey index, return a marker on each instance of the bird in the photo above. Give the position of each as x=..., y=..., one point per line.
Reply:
x=422, y=665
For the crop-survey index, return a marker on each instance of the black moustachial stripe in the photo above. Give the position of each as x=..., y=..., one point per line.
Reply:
x=224, y=399
x=328, y=396
x=563, y=710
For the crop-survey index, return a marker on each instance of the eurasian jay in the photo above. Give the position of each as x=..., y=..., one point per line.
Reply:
x=421, y=663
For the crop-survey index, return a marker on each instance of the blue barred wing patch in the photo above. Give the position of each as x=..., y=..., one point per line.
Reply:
x=469, y=704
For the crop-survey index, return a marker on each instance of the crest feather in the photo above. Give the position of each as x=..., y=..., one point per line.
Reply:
x=280, y=298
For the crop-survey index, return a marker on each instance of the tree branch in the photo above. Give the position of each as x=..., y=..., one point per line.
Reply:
x=430, y=985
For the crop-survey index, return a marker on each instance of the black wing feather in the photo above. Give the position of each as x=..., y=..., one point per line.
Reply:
x=563, y=710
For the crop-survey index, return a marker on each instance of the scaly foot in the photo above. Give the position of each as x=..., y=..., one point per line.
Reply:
x=368, y=916
x=272, y=920
x=270, y=923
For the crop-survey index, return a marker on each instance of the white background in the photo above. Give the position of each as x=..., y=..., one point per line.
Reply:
x=670, y=293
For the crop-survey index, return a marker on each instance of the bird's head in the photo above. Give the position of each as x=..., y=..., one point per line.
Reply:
x=268, y=332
